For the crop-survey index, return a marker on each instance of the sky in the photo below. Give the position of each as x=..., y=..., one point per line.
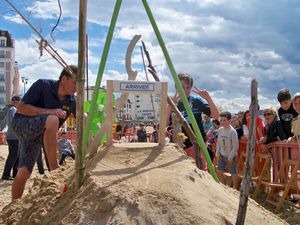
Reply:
x=223, y=44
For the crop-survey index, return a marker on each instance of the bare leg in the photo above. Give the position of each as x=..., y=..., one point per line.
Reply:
x=235, y=181
x=19, y=183
x=50, y=141
x=221, y=176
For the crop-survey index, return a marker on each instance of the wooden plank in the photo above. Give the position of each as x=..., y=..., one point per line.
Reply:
x=244, y=193
x=163, y=113
x=137, y=87
x=109, y=110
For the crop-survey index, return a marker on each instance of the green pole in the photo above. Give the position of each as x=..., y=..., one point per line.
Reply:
x=181, y=92
x=100, y=73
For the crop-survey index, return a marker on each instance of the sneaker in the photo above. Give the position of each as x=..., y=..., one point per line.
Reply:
x=292, y=199
x=7, y=178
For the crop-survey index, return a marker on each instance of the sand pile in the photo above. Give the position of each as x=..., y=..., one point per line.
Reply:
x=133, y=184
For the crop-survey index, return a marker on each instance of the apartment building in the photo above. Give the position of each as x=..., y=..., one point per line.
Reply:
x=9, y=72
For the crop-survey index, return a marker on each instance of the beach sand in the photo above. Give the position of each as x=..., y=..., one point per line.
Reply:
x=137, y=183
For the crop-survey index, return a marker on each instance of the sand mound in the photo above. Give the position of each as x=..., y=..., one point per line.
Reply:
x=133, y=184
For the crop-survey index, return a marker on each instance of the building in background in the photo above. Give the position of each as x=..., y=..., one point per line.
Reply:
x=9, y=72
x=141, y=107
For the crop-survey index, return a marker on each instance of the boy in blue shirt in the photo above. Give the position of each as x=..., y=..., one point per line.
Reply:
x=202, y=103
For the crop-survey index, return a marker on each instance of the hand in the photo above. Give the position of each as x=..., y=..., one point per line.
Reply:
x=290, y=139
x=262, y=140
x=61, y=114
x=202, y=93
x=176, y=98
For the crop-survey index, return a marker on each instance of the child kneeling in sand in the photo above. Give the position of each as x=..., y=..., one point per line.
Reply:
x=227, y=147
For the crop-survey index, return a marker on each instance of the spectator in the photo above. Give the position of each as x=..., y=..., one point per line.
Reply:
x=227, y=147
x=239, y=125
x=202, y=103
x=296, y=120
x=214, y=129
x=65, y=148
x=273, y=129
x=260, y=126
x=154, y=136
x=245, y=126
x=141, y=133
x=286, y=112
x=207, y=123
x=12, y=141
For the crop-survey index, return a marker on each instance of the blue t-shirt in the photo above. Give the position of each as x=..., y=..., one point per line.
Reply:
x=198, y=106
x=43, y=94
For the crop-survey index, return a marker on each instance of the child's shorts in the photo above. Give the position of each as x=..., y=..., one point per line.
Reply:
x=223, y=164
x=30, y=131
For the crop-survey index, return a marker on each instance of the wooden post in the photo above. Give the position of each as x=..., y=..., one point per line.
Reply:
x=80, y=78
x=109, y=110
x=163, y=113
x=244, y=193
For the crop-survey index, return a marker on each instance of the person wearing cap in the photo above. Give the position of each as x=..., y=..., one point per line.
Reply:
x=43, y=109
x=11, y=163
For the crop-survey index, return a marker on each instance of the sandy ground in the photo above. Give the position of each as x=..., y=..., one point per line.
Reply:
x=131, y=184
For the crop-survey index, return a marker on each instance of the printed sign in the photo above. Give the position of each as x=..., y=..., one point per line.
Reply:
x=136, y=86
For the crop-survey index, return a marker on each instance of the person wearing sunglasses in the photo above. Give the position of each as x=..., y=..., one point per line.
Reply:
x=273, y=128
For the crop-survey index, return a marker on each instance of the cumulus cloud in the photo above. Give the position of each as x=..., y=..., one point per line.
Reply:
x=223, y=44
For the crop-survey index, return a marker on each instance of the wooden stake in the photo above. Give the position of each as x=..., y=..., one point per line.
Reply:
x=79, y=161
x=244, y=193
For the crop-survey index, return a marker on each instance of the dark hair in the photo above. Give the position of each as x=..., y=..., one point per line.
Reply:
x=66, y=73
x=283, y=95
x=245, y=116
x=186, y=77
x=216, y=121
x=226, y=115
x=16, y=98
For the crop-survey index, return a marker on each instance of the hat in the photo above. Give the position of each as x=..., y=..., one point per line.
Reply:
x=16, y=98
x=142, y=124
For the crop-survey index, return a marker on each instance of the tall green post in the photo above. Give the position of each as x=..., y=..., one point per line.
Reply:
x=181, y=92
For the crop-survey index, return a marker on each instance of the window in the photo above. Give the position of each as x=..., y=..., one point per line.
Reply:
x=2, y=89
x=2, y=77
x=2, y=43
x=1, y=100
x=1, y=64
x=138, y=106
x=2, y=54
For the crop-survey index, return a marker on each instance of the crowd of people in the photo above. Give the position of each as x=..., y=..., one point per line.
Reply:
x=34, y=120
x=222, y=132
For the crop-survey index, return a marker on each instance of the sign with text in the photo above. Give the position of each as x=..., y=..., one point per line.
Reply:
x=136, y=86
